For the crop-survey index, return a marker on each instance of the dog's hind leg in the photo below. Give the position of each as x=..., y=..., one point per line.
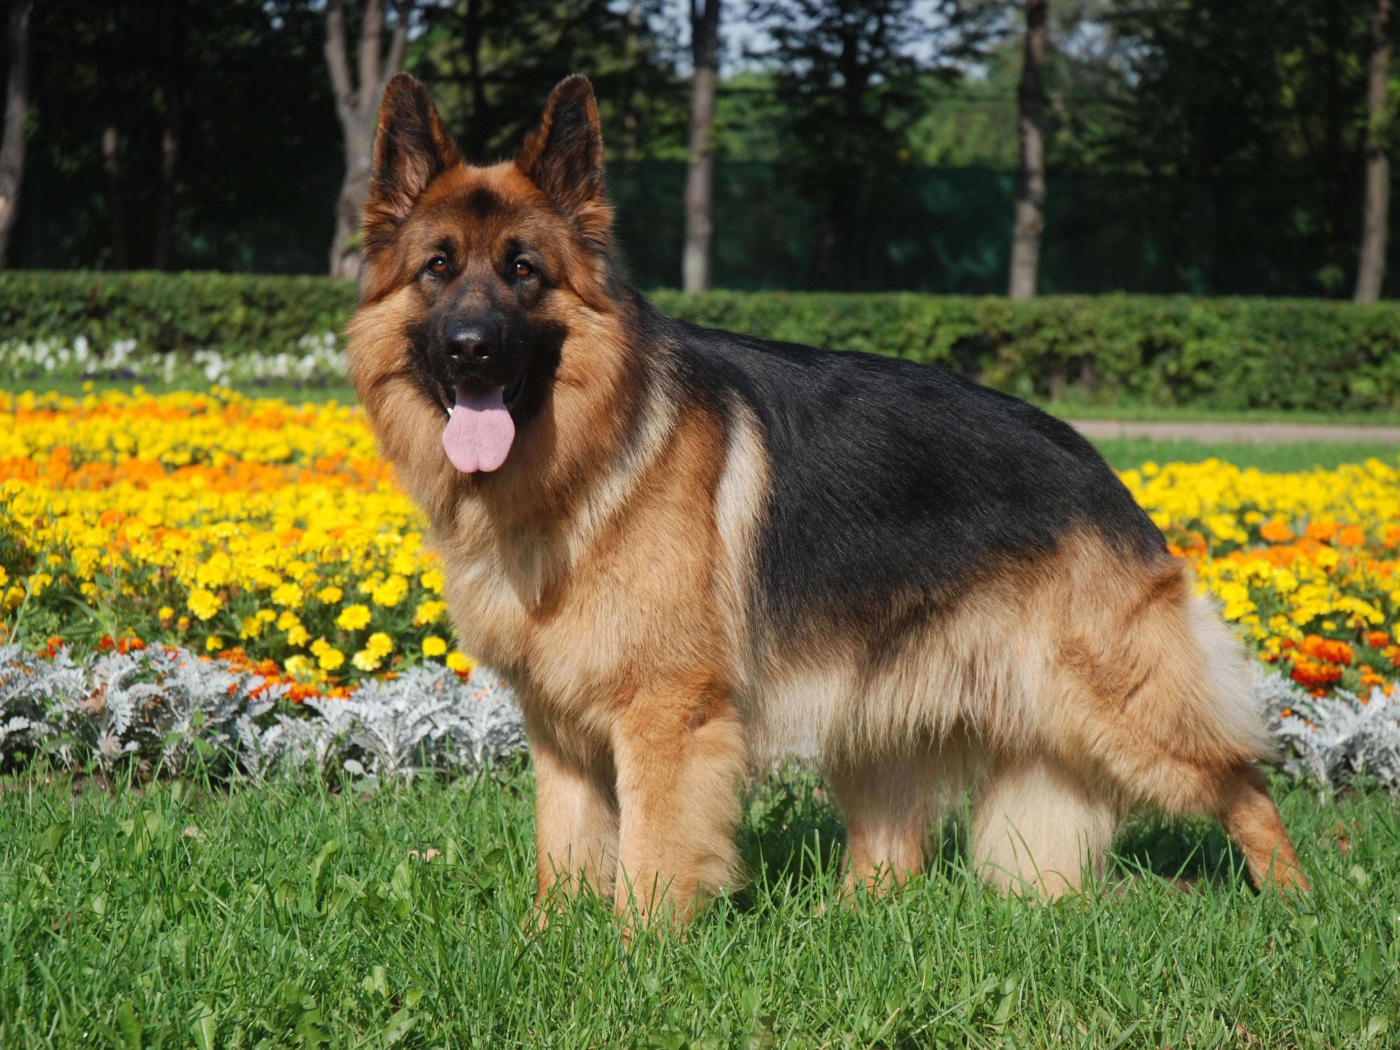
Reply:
x=1036, y=826
x=1165, y=712
x=889, y=803
x=576, y=825
x=681, y=759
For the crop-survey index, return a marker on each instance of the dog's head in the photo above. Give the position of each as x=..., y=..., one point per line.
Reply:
x=487, y=268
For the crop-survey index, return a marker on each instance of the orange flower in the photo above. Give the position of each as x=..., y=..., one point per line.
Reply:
x=1322, y=531
x=1327, y=649
x=1376, y=639
x=1351, y=536
x=1313, y=675
x=1369, y=677
x=1275, y=531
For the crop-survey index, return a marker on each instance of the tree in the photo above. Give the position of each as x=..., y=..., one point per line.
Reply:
x=851, y=79
x=700, y=171
x=1376, y=209
x=16, y=113
x=489, y=64
x=357, y=107
x=1030, y=182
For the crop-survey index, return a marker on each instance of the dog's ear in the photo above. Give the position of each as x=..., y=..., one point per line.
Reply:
x=410, y=150
x=564, y=158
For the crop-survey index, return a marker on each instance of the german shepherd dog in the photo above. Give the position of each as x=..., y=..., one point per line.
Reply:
x=688, y=550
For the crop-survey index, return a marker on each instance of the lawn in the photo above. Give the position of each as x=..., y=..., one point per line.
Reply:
x=288, y=914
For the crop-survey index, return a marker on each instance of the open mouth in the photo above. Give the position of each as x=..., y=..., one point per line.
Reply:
x=448, y=396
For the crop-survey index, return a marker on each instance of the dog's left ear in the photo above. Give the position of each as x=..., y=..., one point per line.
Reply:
x=564, y=158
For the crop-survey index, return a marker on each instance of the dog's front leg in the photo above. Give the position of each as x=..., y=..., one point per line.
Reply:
x=576, y=825
x=680, y=755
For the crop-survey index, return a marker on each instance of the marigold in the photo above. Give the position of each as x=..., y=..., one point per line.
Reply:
x=353, y=617
x=330, y=659
x=1275, y=531
x=203, y=604
x=434, y=646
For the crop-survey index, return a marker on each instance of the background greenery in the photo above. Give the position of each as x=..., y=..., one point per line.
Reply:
x=1195, y=146
x=1218, y=354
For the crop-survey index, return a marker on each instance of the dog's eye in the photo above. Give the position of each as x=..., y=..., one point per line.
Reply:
x=437, y=265
x=522, y=268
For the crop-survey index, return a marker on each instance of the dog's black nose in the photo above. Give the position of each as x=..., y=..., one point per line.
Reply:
x=472, y=341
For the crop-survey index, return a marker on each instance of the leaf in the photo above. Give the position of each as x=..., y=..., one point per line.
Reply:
x=203, y=1027
x=128, y=1025
x=329, y=850
x=400, y=1024
x=53, y=837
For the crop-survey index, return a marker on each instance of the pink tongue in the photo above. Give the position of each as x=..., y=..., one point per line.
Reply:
x=479, y=431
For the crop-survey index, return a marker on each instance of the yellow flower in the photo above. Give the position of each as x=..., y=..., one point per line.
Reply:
x=4, y=576
x=182, y=624
x=213, y=643
x=433, y=580
x=299, y=668
x=203, y=603
x=319, y=646
x=330, y=595
x=434, y=646
x=288, y=620
x=366, y=660
x=289, y=595
x=330, y=659
x=460, y=662
x=353, y=617
x=428, y=612
x=390, y=592
x=380, y=644
x=297, y=636
x=251, y=628
x=165, y=613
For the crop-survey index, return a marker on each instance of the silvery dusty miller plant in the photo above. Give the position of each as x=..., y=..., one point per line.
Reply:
x=169, y=708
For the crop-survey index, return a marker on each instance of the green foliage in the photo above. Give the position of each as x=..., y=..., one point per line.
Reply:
x=1221, y=354
x=232, y=313
x=1213, y=353
x=286, y=914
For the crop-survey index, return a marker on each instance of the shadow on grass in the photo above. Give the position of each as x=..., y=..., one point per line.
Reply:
x=792, y=837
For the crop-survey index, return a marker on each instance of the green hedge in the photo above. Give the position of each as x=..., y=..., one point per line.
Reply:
x=1210, y=353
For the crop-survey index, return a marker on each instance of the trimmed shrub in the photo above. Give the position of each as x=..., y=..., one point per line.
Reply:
x=1211, y=353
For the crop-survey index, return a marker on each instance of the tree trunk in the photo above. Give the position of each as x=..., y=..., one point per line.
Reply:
x=1030, y=189
x=165, y=200
x=1375, y=216
x=16, y=108
x=700, y=175
x=357, y=107
x=163, y=256
x=116, y=196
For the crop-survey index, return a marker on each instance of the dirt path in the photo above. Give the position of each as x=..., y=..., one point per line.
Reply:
x=1240, y=433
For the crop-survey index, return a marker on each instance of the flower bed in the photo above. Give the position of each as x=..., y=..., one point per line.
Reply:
x=216, y=522
x=1305, y=563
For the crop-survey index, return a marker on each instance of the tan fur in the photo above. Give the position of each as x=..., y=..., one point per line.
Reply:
x=607, y=572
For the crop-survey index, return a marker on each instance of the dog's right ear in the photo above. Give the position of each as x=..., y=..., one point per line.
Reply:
x=410, y=150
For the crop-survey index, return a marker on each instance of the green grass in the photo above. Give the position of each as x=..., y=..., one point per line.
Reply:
x=290, y=915
x=1125, y=453
x=1072, y=409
